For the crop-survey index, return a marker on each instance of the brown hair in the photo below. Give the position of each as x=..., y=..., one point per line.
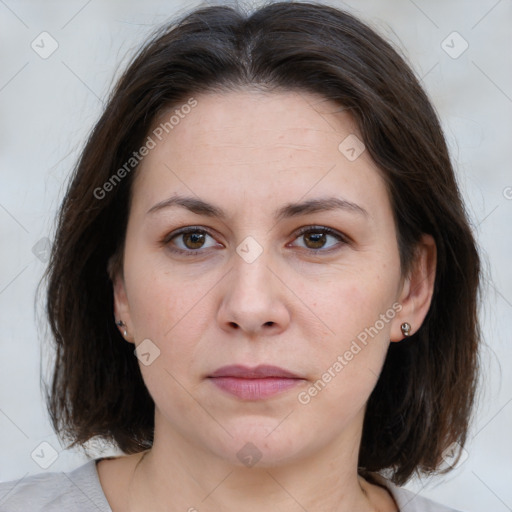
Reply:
x=424, y=397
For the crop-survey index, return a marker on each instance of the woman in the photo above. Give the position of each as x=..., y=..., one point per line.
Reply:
x=263, y=287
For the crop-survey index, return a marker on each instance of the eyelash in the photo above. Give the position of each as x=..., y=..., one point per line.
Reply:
x=306, y=229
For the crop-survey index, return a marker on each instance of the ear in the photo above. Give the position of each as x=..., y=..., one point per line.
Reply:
x=417, y=289
x=121, y=306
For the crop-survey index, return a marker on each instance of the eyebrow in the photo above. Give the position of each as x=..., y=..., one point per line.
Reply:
x=289, y=210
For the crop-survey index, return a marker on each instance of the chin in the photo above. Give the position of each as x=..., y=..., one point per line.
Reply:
x=262, y=442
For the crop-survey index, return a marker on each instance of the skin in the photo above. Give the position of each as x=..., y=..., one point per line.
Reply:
x=249, y=153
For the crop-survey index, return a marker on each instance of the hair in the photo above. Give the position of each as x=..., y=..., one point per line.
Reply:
x=425, y=394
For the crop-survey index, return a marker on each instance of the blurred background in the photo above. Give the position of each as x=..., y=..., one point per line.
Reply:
x=60, y=60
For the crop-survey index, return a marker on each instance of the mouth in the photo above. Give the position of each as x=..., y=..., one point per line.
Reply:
x=257, y=383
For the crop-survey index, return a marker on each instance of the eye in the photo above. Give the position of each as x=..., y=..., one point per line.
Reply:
x=316, y=238
x=190, y=240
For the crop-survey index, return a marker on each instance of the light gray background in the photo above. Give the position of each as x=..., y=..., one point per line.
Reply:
x=47, y=107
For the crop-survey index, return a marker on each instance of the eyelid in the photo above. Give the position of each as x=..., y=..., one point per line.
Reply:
x=185, y=229
x=324, y=229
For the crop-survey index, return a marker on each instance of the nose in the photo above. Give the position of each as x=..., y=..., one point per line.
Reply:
x=254, y=298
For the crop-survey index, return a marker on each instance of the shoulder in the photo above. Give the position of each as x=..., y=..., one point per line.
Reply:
x=78, y=490
x=409, y=501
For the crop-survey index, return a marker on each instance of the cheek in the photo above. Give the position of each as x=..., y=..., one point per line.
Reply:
x=358, y=310
x=171, y=310
x=171, y=315
x=353, y=301
x=348, y=362
x=157, y=297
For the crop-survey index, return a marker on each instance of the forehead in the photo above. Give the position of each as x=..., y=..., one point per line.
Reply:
x=263, y=145
x=250, y=119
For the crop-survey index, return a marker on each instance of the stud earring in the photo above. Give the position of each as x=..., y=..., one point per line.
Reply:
x=120, y=323
x=406, y=329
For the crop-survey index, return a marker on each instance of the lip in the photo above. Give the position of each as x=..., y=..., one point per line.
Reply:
x=258, y=372
x=256, y=383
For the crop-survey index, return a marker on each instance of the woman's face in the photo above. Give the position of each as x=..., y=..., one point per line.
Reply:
x=286, y=256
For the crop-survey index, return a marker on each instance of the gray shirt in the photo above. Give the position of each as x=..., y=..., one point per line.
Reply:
x=80, y=491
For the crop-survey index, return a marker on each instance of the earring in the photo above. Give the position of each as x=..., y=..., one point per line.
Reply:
x=406, y=329
x=120, y=323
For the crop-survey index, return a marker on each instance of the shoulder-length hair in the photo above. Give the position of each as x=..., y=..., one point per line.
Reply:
x=425, y=394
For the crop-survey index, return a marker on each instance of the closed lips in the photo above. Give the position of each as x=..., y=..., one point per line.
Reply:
x=258, y=372
x=252, y=384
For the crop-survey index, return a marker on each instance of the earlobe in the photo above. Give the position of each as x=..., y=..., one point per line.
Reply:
x=121, y=306
x=417, y=290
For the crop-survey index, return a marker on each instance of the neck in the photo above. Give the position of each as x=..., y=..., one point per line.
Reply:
x=176, y=473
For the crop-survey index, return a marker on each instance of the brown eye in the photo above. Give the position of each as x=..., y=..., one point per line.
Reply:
x=193, y=240
x=315, y=240
x=320, y=239
x=189, y=241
